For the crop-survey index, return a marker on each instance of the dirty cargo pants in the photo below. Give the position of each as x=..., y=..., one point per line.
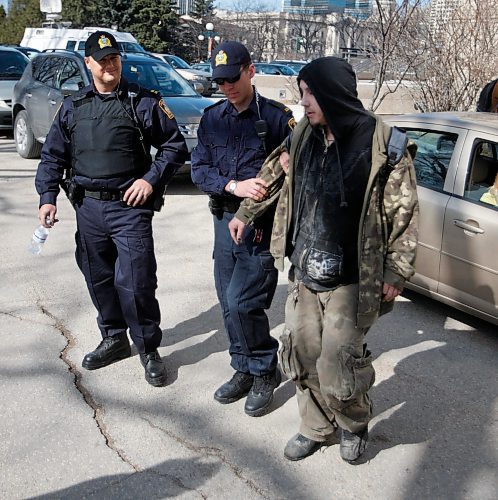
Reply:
x=324, y=353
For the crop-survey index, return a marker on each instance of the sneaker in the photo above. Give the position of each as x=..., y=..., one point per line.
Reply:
x=299, y=447
x=110, y=350
x=353, y=445
x=237, y=387
x=261, y=393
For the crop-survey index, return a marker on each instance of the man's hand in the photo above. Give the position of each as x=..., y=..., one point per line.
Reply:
x=389, y=292
x=237, y=228
x=137, y=193
x=46, y=213
x=284, y=161
x=251, y=188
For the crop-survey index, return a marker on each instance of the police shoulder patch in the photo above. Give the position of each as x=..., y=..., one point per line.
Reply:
x=292, y=123
x=165, y=109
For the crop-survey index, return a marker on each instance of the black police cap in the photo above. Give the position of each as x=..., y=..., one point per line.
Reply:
x=228, y=58
x=101, y=44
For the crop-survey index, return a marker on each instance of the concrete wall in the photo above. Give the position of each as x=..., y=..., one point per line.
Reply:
x=284, y=89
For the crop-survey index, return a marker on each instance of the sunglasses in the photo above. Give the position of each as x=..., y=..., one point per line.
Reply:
x=234, y=79
x=222, y=81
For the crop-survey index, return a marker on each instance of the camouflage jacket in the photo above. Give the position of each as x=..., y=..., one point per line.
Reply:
x=388, y=233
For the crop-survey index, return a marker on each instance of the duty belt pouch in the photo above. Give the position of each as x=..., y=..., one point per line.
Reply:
x=324, y=267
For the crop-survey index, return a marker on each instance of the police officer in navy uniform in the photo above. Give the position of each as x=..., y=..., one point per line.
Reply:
x=234, y=138
x=103, y=134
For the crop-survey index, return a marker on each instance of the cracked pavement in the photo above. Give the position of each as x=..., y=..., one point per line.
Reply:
x=70, y=433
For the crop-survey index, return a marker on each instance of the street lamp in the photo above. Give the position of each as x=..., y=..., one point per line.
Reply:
x=211, y=35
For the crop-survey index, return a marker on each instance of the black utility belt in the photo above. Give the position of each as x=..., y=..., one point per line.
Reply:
x=104, y=195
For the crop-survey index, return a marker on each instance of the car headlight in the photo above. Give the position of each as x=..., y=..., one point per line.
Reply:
x=189, y=130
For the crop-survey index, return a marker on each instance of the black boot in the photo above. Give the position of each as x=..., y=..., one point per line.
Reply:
x=261, y=394
x=299, y=447
x=353, y=445
x=155, y=371
x=111, y=349
x=237, y=387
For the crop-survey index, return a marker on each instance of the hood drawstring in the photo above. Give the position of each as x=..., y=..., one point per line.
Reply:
x=344, y=203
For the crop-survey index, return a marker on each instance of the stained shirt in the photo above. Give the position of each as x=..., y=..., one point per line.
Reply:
x=228, y=145
x=158, y=128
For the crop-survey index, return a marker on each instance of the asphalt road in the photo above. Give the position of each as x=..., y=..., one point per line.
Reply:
x=70, y=433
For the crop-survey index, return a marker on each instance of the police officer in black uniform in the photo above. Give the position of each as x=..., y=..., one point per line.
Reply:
x=102, y=135
x=234, y=138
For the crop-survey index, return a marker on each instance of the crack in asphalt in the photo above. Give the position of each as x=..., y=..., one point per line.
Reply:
x=177, y=481
x=211, y=451
x=98, y=411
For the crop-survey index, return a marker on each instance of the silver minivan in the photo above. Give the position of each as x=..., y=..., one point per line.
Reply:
x=457, y=169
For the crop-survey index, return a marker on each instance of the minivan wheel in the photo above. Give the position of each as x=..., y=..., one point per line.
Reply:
x=26, y=144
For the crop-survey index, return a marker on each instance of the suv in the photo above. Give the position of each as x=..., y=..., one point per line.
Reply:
x=51, y=76
x=191, y=74
x=12, y=64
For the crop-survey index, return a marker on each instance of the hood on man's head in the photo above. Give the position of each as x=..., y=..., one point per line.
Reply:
x=333, y=84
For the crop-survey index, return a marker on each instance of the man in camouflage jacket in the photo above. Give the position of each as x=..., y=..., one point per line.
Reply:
x=348, y=224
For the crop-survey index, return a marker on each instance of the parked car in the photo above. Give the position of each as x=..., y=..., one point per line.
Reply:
x=53, y=75
x=192, y=75
x=274, y=69
x=12, y=65
x=456, y=163
x=205, y=66
x=295, y=65
x=27, y=51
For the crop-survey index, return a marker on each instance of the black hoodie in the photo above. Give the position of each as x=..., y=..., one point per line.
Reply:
x=330, y=182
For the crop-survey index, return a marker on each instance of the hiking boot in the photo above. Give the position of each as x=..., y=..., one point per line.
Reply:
x=261, y=393
x=237, y=387
x=353, y=445
x=299, y=447
x=110, y=350
x=155, y=371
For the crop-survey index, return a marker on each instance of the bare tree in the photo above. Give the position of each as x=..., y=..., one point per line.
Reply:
x=307, y=34
x=461, y=59
x=395, y=46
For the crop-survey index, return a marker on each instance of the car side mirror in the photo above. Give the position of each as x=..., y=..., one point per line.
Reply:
x=69, y=88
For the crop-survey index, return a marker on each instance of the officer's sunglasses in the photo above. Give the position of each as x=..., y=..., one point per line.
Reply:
x=234, y=79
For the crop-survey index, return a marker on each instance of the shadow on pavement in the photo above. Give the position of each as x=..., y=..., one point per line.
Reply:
x=437, y=395
x=161, y=481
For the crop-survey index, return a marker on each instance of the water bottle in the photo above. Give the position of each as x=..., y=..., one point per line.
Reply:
x=37, y=240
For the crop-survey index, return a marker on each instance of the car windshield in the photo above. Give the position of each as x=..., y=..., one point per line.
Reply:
x=285, y=70
x=12, y=65
x=178, y=62
x=155, y=75
x=130, y=47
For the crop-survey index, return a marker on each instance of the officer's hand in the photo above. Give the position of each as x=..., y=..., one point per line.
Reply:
x=137, y=193
x=251, y=188
x=389, y=292
x=46, y=214
x=237, y=228
x=284, y=161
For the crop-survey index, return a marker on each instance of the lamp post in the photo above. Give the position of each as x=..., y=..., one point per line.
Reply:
x=211, y=35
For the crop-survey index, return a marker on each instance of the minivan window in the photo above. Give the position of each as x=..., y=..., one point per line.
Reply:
x=483, y=172
x=12, y=65
x=434, y=152
x=47, y=71
x=70, y=77
x=157, y=76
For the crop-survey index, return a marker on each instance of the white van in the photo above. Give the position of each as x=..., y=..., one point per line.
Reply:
x=74, y=39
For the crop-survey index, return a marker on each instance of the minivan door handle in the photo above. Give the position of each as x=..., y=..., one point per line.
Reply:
x=29, y=94
x=468, y=227
x=52, y=102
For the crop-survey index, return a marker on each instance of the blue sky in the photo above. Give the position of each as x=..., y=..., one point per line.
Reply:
x=274, y=4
